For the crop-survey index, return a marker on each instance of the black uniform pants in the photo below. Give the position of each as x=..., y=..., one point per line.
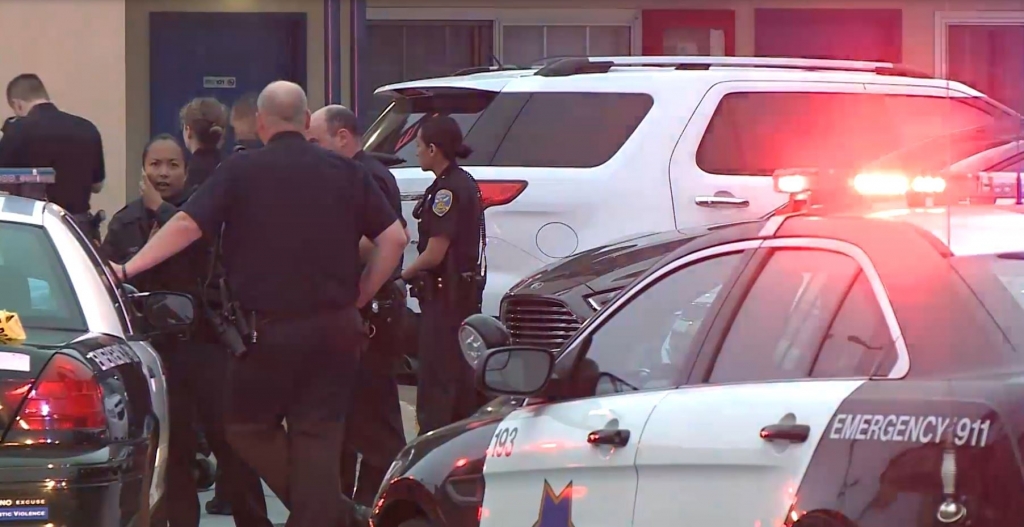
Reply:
x=196, y=372
x=299, y=372
x=375, y=428
x=445, y=391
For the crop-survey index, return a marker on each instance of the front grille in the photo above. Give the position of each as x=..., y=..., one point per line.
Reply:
x=538, y=321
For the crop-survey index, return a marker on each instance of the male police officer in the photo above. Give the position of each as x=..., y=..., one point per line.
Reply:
x=375, y=429
x=291, y=256
x=44, y=136
x=243, y=121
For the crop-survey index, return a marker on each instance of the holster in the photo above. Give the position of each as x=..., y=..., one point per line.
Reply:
x=424, y=286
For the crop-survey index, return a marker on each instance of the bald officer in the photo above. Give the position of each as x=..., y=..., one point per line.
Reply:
x=291, y=256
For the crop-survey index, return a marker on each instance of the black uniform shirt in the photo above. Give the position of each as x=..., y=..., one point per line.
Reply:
x=389, y=187
x=451, y=208
x=201, y=165
x=247, y=144
x=71, y=145
x=292, y=248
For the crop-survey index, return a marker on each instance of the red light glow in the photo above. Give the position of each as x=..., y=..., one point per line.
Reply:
x=461, y=462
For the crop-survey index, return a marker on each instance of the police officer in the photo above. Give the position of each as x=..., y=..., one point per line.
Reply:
x=447, y=276
x=197, y=365
x=375, y=428
x=243, y=121
x=291, y=257
x=204, y=122
x=44, y=136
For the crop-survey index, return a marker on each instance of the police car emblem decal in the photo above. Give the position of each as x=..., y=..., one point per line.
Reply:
x=555, y=509
x=442, y=202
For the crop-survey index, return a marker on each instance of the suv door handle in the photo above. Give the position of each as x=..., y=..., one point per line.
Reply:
x=721, y=202
x=791, y=433
x=613, y=437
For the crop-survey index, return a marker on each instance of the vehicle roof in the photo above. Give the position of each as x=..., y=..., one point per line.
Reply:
x=641, y=75
x=16, y=209
x=935, y=308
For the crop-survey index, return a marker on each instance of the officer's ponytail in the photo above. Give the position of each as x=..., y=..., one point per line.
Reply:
x=444, y=133
x=207, y=118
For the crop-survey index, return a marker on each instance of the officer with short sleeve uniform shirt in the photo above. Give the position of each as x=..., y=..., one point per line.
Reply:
x=450, y=213
x=291, y=258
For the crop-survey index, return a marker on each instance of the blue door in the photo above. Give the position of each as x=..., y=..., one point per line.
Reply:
x=221, y=55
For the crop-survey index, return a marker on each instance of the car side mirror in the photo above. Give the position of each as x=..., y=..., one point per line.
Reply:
x=512, y=370
x=164, y=312
x=479, y=333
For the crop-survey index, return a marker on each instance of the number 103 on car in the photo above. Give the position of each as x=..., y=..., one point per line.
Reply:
x=910, y=429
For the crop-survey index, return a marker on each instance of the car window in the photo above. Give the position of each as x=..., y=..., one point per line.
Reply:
x=758, y=133
x=395, y=131
x=33, y=281
x=101, y=271
x=646, y=344
x=784, y=318
x=579, y=130
x=859, y=343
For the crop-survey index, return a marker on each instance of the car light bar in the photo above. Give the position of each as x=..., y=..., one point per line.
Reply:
x=896, y=184
x=18, y=176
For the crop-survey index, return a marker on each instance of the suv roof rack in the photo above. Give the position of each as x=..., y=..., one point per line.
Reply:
x=486, y=69
x=580, y=65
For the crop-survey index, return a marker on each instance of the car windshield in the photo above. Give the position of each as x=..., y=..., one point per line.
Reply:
x=33, y=281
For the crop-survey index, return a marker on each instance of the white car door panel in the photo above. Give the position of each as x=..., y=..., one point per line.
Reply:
x=702, y=456
x=542, y=470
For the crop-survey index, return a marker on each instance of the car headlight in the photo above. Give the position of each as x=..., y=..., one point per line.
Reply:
x=599, y=300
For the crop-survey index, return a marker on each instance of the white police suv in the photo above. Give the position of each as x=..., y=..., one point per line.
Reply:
x=854, y=362
x=582, y=151
x=83, y=402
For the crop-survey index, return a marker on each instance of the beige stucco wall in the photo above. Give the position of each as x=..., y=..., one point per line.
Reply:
x=78, y=49
x=137, y=39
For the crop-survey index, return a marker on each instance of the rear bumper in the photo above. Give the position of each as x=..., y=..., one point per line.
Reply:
x=79, y=495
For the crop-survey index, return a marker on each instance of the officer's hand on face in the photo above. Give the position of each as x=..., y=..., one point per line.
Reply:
x=150, y=197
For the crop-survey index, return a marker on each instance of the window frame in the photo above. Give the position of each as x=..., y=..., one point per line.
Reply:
x=577, y=348
x=708, y=354
x=118, y=300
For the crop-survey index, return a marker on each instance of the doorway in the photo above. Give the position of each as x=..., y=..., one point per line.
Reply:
x=984, y=51
x=220, y=55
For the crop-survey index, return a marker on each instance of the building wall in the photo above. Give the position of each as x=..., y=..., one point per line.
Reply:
x=78, y=49
x=137, y=38
x=919, y=16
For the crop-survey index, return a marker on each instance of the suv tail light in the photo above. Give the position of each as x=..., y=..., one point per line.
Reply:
x=497, y=193
x=66, y=396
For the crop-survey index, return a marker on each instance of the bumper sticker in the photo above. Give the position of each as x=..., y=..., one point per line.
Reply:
x=17, y=514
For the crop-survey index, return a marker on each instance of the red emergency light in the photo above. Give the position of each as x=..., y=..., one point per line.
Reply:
x=830, y=187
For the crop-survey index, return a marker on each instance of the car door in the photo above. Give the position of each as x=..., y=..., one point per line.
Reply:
x=743, y=131
x=783, y=353
x=572, y=462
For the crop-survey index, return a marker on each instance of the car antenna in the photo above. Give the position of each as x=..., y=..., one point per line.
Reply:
x=497, y=62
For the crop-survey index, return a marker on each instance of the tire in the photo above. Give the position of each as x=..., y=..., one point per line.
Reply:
x=205, y=472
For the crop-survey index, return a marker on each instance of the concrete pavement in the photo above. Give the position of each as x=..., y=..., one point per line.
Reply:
x=275, y=510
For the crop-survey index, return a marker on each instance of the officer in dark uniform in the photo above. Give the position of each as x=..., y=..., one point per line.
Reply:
x=204, y=122
x=291, y=257
x=44, y=136
x=243, y=121
x=448, y=276
x=375, y=429
x=196, y=365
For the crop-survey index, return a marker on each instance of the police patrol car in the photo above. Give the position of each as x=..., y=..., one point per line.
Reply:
x=83, y=404
x=849, y=363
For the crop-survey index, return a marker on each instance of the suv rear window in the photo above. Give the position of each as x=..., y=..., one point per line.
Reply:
x=757, y=133
x=545, y=129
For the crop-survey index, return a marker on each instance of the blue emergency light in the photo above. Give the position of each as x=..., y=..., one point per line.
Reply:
x=21, y=176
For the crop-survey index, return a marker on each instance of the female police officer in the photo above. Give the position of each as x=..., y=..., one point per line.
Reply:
x=446, y=276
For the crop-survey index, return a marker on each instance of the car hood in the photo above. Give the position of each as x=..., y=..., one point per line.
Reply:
x=607, y=267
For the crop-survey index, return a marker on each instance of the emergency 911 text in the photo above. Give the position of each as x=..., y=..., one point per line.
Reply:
x=910, y=428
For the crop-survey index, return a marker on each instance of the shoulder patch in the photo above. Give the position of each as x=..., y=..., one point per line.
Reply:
x=442, y=202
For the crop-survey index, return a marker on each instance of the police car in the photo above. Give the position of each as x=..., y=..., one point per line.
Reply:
x=854, y=362
x=83, y=407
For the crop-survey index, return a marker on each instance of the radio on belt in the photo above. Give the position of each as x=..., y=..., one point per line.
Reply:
x=26, y=182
